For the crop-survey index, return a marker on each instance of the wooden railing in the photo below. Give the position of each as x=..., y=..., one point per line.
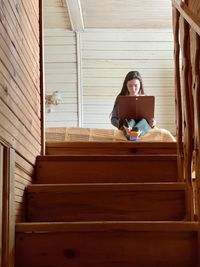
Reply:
x=186, y=27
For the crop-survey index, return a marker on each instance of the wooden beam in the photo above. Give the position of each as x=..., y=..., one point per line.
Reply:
x=1, y=202
x=8, y=257
x=75, y=14
x=178, y=93
x=42, y=82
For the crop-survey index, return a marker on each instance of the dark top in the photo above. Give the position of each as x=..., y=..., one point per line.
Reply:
x=115, y=116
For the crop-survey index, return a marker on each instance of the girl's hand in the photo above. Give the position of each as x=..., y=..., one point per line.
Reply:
x=152, y=122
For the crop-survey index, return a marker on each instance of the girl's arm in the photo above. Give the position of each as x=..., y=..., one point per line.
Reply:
x=114, y=116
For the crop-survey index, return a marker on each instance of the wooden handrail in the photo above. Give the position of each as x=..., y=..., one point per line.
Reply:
x=178, y=97
x=186, y=27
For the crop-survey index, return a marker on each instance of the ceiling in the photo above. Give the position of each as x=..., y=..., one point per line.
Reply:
x=119, y=14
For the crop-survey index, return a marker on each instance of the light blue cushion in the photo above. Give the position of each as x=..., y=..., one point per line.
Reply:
x=143, y=126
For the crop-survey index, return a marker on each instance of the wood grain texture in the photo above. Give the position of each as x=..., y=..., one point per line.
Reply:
x=97, y=148
x=106, y=244
x=24, y=172
x=178, y=93
x=20, y=83
x=194, y=6
x=106, y=168
x=106, y=202
x=8, y=216
x=189, y=31
x=1, y=200
x=188, y=110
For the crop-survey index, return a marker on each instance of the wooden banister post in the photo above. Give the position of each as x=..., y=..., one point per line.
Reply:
x=179, y=130
x=8, y=229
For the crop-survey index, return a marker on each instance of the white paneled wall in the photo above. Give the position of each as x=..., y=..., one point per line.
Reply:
x=60, y=64
x=56, y=15
x=61, y=75
x=128, y=14
x=103, y=58
x=107, y=56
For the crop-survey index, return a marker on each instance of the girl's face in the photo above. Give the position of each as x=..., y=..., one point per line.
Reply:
x=133, y=87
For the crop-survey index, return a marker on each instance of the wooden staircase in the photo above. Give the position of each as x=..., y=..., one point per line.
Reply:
x=102, y=209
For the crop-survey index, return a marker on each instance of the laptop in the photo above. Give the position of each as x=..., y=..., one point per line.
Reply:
x=136, y=107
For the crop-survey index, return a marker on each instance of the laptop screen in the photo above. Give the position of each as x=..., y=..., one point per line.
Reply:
x=136, y=107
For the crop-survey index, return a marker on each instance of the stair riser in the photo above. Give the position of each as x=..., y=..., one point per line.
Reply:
x=107, y=249
x=106, y=171
x=110, y=148
x=106, y=205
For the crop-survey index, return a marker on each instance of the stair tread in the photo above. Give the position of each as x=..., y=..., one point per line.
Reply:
x=111, y=144
x=98, y=148
x=106, y=187
x=107, y=169
x=108, y=226
x=106, y=157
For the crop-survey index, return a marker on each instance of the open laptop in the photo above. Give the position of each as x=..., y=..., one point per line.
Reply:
x=136, y=107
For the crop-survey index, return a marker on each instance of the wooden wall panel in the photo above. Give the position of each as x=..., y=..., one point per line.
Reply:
x=20, y=118
x=8, y=235
x=23, y=177
x=20, y=98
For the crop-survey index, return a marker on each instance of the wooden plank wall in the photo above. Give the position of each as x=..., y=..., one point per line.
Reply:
x=23, y=177
x=20, y=119
x=107, y=56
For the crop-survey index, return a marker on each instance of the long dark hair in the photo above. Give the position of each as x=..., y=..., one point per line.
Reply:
x=130, y=76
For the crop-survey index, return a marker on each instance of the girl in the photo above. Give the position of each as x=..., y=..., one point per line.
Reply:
x=132, y=86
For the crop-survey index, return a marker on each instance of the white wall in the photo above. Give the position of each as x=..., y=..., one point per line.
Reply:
x=61, y=75
x=60, y=64
x=107, y=56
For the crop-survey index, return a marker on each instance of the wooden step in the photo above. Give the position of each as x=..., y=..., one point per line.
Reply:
x=106, y=244
x=106, y=169
x=105, y=202
x=110, y=148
